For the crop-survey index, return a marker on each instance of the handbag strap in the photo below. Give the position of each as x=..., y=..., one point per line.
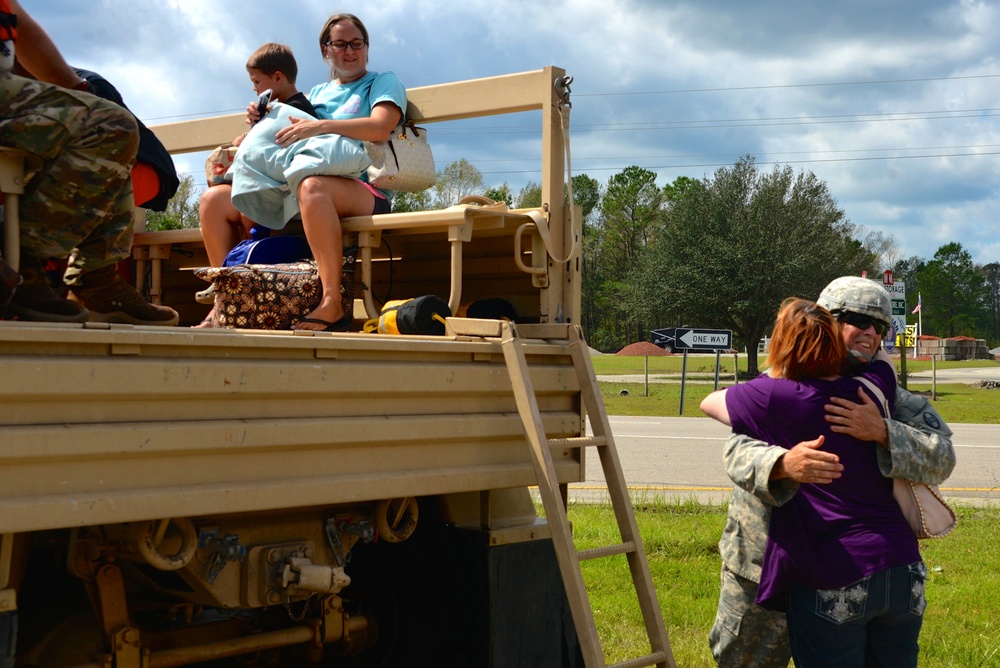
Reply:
x=877, y=391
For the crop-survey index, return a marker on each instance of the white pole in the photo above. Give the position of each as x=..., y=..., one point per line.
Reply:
x=920, y=316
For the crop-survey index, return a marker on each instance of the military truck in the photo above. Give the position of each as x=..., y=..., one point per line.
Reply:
x=180, y=496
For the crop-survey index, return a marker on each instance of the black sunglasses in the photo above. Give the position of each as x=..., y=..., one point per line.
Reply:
x=862, y=321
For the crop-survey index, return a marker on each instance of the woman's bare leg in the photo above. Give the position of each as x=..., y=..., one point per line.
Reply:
x=323, y=200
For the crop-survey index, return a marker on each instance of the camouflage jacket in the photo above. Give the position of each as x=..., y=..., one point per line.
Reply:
x=920, y=448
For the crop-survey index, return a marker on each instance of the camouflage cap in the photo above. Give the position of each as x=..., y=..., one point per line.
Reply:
x=859, y=295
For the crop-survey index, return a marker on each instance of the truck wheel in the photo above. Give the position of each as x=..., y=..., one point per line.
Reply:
x=8, y=638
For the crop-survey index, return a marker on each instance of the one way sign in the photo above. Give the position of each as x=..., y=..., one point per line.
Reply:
x=703, y=339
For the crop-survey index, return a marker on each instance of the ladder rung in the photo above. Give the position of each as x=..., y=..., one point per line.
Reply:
x=648, y=660
x=607, y=551
x=578, y=442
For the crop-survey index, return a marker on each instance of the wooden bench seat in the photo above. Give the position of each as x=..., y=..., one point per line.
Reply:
x=458, y=222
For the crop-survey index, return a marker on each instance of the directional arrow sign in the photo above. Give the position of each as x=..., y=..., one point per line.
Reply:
x=703, y=339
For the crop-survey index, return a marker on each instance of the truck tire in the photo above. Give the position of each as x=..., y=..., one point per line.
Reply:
x=8, y=638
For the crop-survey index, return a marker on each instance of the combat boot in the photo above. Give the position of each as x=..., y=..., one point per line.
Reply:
x=110, y=299
x=36, y=300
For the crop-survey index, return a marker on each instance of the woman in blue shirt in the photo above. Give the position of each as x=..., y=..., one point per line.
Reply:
x=355, y=104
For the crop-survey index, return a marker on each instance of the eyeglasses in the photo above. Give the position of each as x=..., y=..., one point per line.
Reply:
x=340, y=45
x=862, y=321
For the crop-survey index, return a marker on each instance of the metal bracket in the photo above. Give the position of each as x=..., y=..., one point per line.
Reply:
x=224, y=549
x=127, y=650
x=562, y=89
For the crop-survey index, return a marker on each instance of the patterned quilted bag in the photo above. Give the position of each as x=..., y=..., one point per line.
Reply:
x=272, y=296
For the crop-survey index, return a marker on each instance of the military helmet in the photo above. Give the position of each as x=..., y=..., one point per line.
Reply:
x=859, y=295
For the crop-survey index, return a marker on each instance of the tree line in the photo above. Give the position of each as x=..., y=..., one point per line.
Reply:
x=720, y=252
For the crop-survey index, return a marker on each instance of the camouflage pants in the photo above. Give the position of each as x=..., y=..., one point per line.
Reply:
x=746, y=635
x=79, y=203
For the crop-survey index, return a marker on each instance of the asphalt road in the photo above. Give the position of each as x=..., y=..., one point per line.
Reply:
x=968, y=376
x=681, y=458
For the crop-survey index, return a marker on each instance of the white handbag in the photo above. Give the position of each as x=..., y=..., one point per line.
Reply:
x=403, y=162
x=923, y=507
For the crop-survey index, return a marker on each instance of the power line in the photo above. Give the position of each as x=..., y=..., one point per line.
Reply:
x=759, y=162
x=781, y=86
x=690, y=124
x=678, y=90
x=578, y=158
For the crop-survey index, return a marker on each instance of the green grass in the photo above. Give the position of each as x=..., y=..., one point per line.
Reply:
x=681, y=541
x=964, y=403
x=956, y=402
x=625, y=364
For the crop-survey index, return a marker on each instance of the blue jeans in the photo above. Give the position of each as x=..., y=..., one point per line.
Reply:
x=872, y=622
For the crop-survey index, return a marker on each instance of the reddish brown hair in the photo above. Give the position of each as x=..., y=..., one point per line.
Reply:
x=806, y=342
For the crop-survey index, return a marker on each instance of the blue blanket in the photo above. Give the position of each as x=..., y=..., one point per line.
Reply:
x=266, y=176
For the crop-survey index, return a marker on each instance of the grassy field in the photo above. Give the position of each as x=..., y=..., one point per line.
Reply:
x=955, y=402
x=619, y=364
x=961, y=627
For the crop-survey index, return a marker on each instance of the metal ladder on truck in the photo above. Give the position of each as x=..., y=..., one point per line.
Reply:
x=555, y=503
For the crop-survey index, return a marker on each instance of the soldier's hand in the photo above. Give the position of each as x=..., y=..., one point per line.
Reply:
x=805, y=462
x=862, y=421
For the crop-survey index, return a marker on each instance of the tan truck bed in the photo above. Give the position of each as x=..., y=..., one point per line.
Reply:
x=126, y=423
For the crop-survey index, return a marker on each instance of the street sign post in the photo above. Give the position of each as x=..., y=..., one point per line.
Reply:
x=897, y=293
x=690, y=339
x=709, y=340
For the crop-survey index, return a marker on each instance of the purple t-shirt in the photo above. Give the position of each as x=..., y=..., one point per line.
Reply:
x=826, y=536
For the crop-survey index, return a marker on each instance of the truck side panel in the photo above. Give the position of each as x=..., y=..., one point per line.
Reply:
x=132, y=425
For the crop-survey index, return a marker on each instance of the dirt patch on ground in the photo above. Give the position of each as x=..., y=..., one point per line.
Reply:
x=642, y=349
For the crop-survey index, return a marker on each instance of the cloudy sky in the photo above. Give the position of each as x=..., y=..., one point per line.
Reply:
x=890, y=102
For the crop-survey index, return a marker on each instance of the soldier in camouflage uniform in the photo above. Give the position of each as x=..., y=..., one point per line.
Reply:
x=79, y=204
x=916, y=444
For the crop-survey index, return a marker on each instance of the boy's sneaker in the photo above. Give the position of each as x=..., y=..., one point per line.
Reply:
x=36, y=300
x=110, y=299
x=206, y=296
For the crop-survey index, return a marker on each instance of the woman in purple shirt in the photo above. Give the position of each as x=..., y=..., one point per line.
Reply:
x=840, y=558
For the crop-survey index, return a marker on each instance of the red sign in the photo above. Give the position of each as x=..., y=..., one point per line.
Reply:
x=887, y=277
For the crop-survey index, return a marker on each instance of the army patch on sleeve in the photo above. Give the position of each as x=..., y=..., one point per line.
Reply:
x=932, y=421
